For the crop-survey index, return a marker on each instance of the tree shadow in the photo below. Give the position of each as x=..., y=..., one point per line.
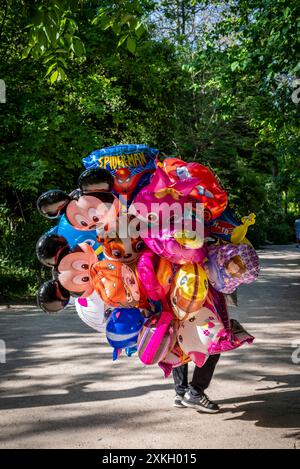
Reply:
x=279, y=408
x=27, y=377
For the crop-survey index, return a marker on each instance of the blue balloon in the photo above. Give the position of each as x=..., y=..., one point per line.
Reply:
x=123, y=327
x=130, y=165
x=223, y=226
x=74, y=237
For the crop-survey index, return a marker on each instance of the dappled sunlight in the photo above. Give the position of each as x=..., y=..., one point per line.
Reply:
x=60, y=379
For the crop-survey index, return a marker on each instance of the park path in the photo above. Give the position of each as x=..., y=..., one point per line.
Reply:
x=60, y=388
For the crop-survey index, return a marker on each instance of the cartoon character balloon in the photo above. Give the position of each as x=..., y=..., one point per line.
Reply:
x=208, y=191
x=197, y=333
x=119, y=243
x=189, y=290
x=116, y=283
x=91, y=311
x=169, y=225
x=130, y=165
x=231, y=265
x=123, y=327
x=91, y=206
x=74, y=270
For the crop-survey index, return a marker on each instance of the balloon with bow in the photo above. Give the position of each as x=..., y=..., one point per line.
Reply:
x=169, y=222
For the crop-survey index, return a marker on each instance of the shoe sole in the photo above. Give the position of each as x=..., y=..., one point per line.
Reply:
x=180, y=406
x=198, y=407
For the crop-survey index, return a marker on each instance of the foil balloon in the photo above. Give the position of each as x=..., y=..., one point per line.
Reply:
x=52, y=297
x=231, y=265
x=91, y=311
x=74, y=237
x=156, y=338
x=119, y=244
x=208, y=191
x=189, y=290
x=197, y=334
x=238, y=235
x=130, y=165
x=122, y=329
x=74, y=270
x=155, y=275
x=236, y=337
x=171, y=226
x=92, y=205
x=51, y=248
x=116, y=283
x=227, y=228
x=175, y=357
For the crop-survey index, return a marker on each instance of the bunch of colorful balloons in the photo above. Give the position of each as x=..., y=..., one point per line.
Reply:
x=150, y=251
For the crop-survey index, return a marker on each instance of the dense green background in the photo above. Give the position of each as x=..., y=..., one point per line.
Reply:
x=211, y=81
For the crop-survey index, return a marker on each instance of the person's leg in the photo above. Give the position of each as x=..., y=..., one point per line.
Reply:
x=180, y=376
x=202, y=376
x=195, y=396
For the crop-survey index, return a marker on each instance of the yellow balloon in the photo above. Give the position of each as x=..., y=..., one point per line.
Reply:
x=238, y=235
x=189, y=290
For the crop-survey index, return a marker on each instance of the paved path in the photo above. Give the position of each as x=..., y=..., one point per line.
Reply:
x=60, y=388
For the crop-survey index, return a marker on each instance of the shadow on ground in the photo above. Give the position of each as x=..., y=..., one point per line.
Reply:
x=41, y=346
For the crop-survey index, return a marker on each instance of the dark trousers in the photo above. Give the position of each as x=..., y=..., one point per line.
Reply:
x=201, y=377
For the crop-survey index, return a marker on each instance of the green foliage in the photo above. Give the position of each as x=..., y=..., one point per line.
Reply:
x=211, y=81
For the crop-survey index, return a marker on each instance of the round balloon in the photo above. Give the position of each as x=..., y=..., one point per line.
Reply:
x=189, y=290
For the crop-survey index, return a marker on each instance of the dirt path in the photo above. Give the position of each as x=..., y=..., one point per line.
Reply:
x=60, y=388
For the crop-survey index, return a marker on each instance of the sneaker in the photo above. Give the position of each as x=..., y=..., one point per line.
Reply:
x=200, y=402
x=178, y=401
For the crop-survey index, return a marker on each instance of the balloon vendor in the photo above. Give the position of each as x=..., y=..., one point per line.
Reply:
x=150, y=253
